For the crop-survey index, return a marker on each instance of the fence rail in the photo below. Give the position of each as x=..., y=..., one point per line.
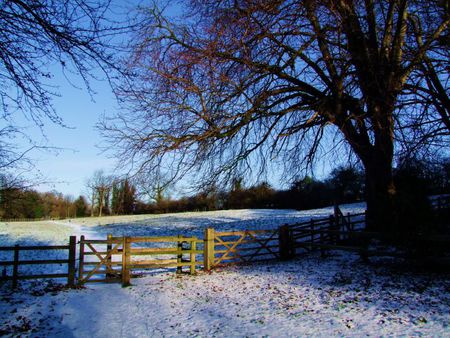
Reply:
x=117, y=259
x=17, y=262
x=231, y=247
x=129, y=257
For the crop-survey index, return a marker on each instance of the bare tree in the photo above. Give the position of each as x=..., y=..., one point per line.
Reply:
x=235, y=85
x=35, y=38
x=99, y=186
x=153, y=185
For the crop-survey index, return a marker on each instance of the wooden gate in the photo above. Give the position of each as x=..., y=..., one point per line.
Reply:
x=100, y=260
x=241, y=246
x=111, y=260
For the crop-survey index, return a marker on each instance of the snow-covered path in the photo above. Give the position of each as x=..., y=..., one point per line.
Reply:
x=313, y=296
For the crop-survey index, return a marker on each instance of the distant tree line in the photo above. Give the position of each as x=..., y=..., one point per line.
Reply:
x=110, y=195
x=21, y=202
x=416, y=180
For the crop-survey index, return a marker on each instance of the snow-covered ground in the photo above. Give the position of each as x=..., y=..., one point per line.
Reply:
x=188, y=223
x=310, y=296
x=337, y=295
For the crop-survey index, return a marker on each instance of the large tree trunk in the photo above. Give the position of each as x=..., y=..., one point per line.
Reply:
x=377, y=158
x=380, y=195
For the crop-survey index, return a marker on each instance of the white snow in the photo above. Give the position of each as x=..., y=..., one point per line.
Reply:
x=310, y=296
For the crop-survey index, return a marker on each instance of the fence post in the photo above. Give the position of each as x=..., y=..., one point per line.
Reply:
x=193, y=248
x=365, y=219
x=285, y=242
x=208, y=249
x=333, y=237
x=126, y=260
x=71, y=262
x=81, y=261
x=322, y=249
x=179, y=255
x=15, y=266
x=109, y=260
x=311, y=226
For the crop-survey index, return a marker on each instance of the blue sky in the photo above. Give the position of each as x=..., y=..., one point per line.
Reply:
x=67, y=169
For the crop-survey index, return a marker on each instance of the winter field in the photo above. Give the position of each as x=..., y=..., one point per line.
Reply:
x=309, y=296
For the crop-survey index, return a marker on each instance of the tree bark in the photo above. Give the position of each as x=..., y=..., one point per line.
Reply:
x=380, y=195
x=100, y=201
x=93, y=203
x=377, y=157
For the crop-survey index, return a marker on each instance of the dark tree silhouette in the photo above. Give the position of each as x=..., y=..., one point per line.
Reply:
x=235, y=85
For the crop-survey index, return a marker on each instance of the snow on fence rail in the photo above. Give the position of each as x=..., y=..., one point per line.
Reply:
x=17, y=262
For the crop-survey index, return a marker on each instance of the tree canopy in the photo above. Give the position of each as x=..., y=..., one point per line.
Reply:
x=238, y=85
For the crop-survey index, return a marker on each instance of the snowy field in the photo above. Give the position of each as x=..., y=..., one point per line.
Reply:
x=309, y=296
x=188, y=223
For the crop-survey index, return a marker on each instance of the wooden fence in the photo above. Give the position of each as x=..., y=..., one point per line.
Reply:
x=116, y=257
x=324, y=233
x=16, y=262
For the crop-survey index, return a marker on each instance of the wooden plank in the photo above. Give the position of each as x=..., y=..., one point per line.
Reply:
x=179, y=257
x=245, y=241
x=155, y=261
x=126, y=262
x=208, y=249
x=192, y=257
x=15, y=267
x=34, y=262
x=307, y=224
x=71, y=263
x=162, y=251
x=161, y=239
x=91, y=273
x=156, y=266
x=240, y=233
x=113, y=263
x=109, y=248
x=81, y=260
x=243, y=249
x=101, y=241
x=147, y=251
x=119, y=252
